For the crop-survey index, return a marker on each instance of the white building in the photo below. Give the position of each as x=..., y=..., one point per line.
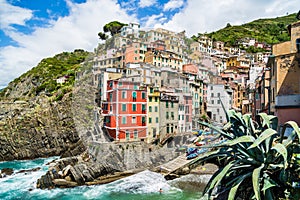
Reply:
x=215, y=94
x=131, y=29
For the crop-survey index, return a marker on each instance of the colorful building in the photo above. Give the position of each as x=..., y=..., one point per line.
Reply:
x=125, y=111
x=154, y=116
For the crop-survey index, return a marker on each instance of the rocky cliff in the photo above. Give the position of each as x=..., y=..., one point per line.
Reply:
x=36, y=118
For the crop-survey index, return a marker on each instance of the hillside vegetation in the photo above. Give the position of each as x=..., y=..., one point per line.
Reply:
x=271, y=31
x=42, y=78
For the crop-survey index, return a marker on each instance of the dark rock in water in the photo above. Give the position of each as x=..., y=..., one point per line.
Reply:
x=6, y=172
x=29, y=170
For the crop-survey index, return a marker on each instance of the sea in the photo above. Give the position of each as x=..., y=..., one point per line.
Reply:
x=145, y=185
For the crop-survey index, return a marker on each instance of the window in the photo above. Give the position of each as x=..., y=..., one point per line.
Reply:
x=182, y=117
x=298, y=45
x=212, y=94
x=127, y=135
x=150, y=120
x=135, y=133
x=172, y=105
x=178, y=117
x=151, y=90
x=168, y=128
x=150, y=108
x=167, y=104
x=212, y=101
x=133, y=107
x=143, y=95
x=150, y=99
x=133, y=120
x=156, y=99
x=156, y=120
x=172, y=115
x=156, y=109
x=135, y=87
x=134, y=96
x=110, y=84
x=110, y=97
x=187, y=110
x=187, y=119
x=143, y=120
x=123, y=120
x=219, y=101
x=167, y=115
x=120, y=83
x=123, y=107
x=123, y=94
x=219, y=94
x=143, y=107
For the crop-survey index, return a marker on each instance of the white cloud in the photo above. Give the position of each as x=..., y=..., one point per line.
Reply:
x=153, y=20
x=146, y=3
x=78, y=30
x=173, y=4
x=206, y=16
x=10, y=14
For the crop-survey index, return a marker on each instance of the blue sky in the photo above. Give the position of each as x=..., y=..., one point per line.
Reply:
x=31, y=30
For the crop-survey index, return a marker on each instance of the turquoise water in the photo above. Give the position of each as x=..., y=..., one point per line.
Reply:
x=141, y=186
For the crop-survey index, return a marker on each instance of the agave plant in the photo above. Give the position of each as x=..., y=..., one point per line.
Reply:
x=259, y=161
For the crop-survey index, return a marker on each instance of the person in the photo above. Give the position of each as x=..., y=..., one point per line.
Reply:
x=160, y=190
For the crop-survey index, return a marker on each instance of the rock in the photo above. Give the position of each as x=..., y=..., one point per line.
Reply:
x=68, y=178
x=29, y=170
x=76, y=174
x=66, y=170
x=65, y=183
x=7, y=171
x=184, y=171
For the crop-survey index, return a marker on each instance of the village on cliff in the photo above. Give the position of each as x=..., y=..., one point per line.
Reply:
x=156, y=83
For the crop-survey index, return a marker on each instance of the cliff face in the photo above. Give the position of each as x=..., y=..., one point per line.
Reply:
x=37, y=129
x=36, y=118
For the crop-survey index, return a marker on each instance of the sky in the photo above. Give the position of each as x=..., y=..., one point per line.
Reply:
x=31, y=30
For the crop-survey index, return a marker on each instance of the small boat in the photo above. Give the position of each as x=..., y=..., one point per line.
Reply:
x=192, y=155
x=199, y=143
x=191, y=150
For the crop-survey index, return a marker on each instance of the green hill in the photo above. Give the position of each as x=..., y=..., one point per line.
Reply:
x=42, y=78
x=271, y=31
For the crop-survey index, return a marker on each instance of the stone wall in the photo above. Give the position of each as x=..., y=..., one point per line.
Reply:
x=137, y=155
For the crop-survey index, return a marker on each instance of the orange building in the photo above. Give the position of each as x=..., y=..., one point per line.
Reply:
x=125, y=111
x=135, y=52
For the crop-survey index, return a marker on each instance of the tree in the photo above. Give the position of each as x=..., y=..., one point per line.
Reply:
x=102, y=36
x=113, y=27
x=228, y=25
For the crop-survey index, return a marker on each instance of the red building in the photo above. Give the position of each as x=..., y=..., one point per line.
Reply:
x=125, y=111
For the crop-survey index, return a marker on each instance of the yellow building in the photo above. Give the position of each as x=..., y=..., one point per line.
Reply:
x=153, y=113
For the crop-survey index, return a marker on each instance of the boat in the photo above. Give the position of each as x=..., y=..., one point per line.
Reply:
x=191, y=150
x=192, y=155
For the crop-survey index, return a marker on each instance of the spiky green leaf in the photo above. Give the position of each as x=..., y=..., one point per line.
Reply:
x=245, y=138
x=266, y=134
x=256, y=181
x=237, y=182
x=268, y=183
x=217, y=179
x=280, y=148
x=265, y=119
